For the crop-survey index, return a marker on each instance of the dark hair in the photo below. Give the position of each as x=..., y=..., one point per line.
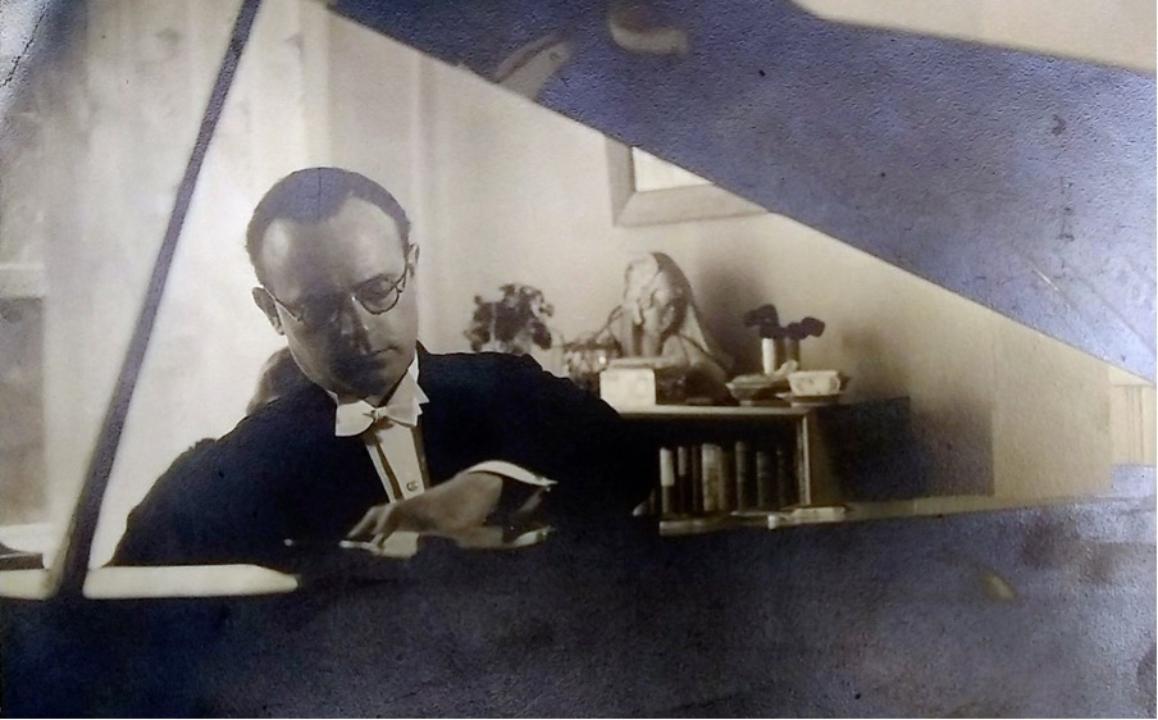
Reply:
x=279, y=376
x=313, y=195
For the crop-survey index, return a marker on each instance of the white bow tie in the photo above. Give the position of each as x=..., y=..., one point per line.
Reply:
x=355, y=417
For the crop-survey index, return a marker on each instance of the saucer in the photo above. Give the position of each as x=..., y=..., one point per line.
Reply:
x=810, y=400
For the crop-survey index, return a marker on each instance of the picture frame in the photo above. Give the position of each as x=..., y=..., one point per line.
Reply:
x=659, y=192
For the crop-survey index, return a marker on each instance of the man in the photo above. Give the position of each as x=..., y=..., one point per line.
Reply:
x=382, y=437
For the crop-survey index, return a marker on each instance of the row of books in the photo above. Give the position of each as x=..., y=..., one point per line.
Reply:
x=714, y=478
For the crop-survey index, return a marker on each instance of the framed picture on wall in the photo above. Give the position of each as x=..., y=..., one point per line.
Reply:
x=646, y=190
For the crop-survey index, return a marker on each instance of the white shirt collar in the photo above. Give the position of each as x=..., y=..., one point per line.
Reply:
x=406, y=402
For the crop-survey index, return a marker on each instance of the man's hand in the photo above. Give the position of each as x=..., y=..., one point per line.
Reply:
x=456, y=509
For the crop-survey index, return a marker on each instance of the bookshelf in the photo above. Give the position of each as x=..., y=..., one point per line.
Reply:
x=724, y=467
x=720, y=412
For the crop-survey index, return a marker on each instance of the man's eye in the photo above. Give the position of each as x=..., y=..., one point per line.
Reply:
x=318, y=312
x=377, y=291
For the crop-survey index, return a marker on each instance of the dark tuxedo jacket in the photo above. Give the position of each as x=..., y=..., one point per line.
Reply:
x=281, y=473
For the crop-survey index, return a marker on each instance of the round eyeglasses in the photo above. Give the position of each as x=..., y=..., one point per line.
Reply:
x=378, y=295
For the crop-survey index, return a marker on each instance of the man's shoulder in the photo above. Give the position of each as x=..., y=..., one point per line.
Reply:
x=305, y=405
x=478, y=361
x=482, y=371
x=288, y=421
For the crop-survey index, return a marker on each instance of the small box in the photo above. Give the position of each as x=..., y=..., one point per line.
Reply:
x=624, y=388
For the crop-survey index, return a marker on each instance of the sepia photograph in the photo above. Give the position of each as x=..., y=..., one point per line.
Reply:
x=577, y=358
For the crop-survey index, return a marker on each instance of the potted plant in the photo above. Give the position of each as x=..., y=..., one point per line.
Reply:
x=513, y=324
x=780, y=343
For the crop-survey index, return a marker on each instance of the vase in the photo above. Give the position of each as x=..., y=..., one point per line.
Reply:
x=771, y=354
x=793, y=351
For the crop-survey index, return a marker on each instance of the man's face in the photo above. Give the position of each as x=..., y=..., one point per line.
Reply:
x=358, y=353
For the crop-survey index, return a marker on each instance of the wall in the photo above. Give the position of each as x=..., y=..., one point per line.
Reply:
x=289, y=108
x=116, y=115
x=1118, y=32
x=499, y=190
x=210, y=341
x=998, y=408
x=22, y=229
x=127, y=105
x=1001, y=175
x=1050, y=609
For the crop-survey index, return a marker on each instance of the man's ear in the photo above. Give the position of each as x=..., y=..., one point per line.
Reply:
x=265, y=301
x=414, y=258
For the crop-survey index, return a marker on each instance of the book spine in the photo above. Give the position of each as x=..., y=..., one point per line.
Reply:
x=710, y=462
x=785, y=480
x=696, y=458
x=765, y=478
x=667, y=481
x=743, y=475
x=727, y=487
x=683, y=479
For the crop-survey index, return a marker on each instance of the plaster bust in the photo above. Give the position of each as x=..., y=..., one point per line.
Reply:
x=658, y=318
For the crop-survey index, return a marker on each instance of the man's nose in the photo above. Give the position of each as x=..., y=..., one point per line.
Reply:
x=352, y=324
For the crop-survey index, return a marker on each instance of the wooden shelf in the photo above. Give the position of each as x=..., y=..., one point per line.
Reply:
x=714, y=412
x=866, y=441
x=793, y=516
x=781, y=433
